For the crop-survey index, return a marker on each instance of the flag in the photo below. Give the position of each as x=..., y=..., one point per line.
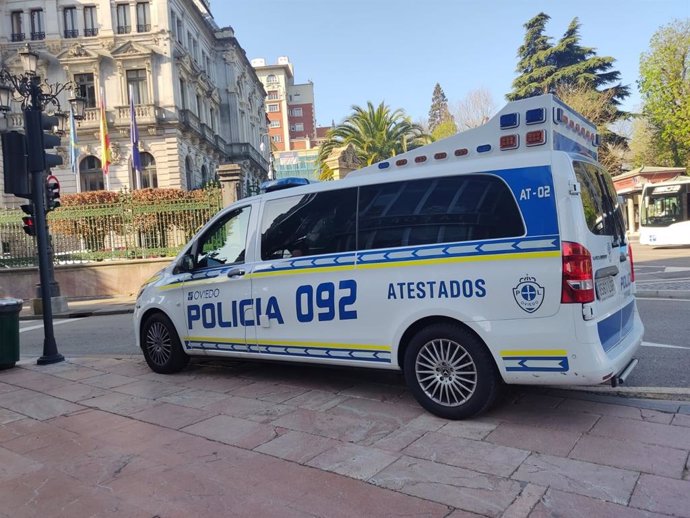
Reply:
x=105, y=139
x=73, y=151
x=134, y=140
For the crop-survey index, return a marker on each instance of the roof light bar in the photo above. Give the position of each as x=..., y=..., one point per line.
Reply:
x=535, y=138
x=401, y=162
x=440, y=156
x=420, y=159
x=384, y=165
x=461, y=152
x=510, y=120
x=509, y=142
x=484, y=148
x=535, y=116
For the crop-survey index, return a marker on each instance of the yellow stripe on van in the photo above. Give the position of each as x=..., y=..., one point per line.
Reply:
x=293, y=271
x=534, y=352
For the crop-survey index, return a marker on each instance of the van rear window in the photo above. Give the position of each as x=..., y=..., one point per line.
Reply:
x=603, y=215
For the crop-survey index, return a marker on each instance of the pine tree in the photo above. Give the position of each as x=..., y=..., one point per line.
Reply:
x=439, y=113
x=536, y=63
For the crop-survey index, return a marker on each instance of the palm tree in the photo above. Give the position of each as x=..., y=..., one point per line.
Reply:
x=376, y=133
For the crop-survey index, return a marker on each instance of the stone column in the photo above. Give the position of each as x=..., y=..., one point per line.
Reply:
x=632, y=227
x=229, y=176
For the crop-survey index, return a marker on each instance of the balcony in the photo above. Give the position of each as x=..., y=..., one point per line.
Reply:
x=146, y=27
x=91, y=32
x=91, y=120
x=146, y=114
x=17, y=36
x=124, y=29
x=188, y=118
x=243, y=151
x=73, y=33
x=38, y=36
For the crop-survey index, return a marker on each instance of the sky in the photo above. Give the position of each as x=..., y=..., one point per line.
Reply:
x=395, y=51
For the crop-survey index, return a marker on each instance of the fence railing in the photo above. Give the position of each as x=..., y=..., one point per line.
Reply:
x=126, y=229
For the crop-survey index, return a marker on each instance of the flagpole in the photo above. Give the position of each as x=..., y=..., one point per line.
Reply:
x=105, y=142
x=134, y=140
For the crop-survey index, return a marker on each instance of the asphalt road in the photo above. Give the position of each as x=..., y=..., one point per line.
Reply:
x=664, y=359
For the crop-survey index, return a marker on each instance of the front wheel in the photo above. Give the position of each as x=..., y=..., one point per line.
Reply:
x=161, y=345
x=450, y=371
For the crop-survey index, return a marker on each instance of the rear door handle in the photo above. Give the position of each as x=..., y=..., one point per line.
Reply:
x=236, y=272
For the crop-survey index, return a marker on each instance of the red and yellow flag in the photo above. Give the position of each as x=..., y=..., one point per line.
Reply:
x=105, y=138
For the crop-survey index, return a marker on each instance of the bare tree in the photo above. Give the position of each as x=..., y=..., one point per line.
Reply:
x=474, y=109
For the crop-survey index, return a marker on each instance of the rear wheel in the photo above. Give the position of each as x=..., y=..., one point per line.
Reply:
x=161, y=345
x=450, y=371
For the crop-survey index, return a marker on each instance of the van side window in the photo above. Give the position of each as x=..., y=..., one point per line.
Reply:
x=313, y=224
x=437, y=210
x=225, y=242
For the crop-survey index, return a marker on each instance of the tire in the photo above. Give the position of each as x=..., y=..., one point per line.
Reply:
x=161, y=345
x=450, y=372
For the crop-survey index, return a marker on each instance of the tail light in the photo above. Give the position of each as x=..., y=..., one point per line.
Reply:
x=632, y=265
x=578, y=281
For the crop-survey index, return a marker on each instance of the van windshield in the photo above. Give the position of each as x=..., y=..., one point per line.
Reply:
x=603, y=214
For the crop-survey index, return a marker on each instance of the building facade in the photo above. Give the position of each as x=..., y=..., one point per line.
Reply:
x=198, y=101
x=289, y=106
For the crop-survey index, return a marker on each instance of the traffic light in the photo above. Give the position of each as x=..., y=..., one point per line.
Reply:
x=52, y=193
x=28, y=220
x=37, y=141
x=14, y=163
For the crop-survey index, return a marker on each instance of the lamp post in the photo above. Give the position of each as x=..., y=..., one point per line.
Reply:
x=35, y=97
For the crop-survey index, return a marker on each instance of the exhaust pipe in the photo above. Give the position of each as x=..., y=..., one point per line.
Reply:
x=620, y=378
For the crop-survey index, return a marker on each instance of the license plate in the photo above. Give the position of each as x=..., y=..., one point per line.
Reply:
x=606, y=288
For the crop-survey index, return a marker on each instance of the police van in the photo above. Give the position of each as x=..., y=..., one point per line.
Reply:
x=495, y=256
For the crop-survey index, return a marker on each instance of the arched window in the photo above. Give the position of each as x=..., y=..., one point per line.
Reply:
x=204, y=175
x=91, y=174
x=189, y=173
x=271, y=79
x=149, y=178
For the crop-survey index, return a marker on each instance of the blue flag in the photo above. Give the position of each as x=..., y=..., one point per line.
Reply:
x=73, y=151
x=134, y=140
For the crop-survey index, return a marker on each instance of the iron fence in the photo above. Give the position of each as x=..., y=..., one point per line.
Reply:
x=126, y=229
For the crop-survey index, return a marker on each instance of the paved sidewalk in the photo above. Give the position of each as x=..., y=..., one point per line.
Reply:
x=107, y=437
x=86, y=308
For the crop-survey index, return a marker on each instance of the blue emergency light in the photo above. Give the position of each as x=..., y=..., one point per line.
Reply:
x=510, y=120
x=283, y=183
x=535, y=116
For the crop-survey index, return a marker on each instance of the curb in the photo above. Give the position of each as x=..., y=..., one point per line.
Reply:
x=658, y=393
x=664, y=294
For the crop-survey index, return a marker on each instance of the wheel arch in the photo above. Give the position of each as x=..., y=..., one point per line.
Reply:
x=421, y=323
x=145, y=315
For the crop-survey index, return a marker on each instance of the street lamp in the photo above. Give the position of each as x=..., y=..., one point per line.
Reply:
x=35, y=97
x=78, y=105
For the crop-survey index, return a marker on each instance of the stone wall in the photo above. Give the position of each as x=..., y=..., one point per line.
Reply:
x=109, y=279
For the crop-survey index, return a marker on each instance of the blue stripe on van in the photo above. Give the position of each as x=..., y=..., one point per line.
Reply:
x=615, y=327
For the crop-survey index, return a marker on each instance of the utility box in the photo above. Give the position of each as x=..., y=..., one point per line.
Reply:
x=9, y=332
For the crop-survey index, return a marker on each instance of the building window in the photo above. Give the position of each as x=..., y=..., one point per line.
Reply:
x=143, y=17
x=271, y=79
x=273, y=108
x=37, y=28
x=212, y=118
x=273, y=95
x=86, y=88
x=198, y=106
x=123, y=26
x=276, y=138
x=90, y=21
x=180, y=31
x=70, y=19
x=91, y=174
x=195, y=50
x=189, y=41
x=149, y=178
x=17, y=26
x=275, y=124
x=183, y=94
x=296, y=112
x=137, y=80
x=297, y=127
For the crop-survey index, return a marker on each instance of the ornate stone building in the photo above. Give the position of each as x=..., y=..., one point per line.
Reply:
x=198, y=101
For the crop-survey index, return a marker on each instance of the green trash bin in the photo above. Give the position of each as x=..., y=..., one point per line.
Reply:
x=9, y=332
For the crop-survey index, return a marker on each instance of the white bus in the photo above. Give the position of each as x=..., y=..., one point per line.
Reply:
x=665, y=213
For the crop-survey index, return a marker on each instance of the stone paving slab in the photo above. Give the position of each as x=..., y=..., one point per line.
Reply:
x=107, y=437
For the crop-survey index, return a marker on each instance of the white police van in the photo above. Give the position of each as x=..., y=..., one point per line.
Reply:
x=494, y=256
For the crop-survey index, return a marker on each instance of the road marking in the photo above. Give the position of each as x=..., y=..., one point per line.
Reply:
x=55, y=323
x=664, y=346
x=648, y=281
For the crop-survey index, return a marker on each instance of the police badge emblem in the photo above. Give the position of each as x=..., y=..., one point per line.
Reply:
x=528, y=294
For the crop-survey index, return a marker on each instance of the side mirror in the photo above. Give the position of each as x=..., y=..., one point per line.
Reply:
x=185, y=264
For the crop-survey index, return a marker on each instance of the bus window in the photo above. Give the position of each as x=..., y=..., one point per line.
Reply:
x=663, y=205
